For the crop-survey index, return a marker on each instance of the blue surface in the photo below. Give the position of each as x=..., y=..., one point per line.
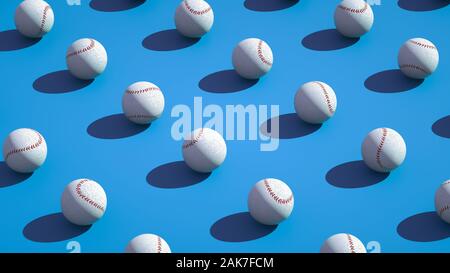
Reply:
x=184, y=216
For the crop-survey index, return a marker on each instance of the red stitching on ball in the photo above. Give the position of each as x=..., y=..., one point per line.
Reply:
x=159, y=245
x=195, y=12
x=27, y=148
x=414, y=67
x=260, y=54
x=193, y=141
x=380, y=148
x=83, y=50
x=44, y=19
x=443, y=209
x=275, y=197
x=423, y=45
x=85, y=198
x=327, y=97
x=351, y=244
x=133, y=92
x=358, y=11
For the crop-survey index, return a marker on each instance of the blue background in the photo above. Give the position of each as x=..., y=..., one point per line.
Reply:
x=184, y=216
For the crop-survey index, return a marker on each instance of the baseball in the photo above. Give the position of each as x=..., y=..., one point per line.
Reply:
x=34, y=18
x=315, y=102
x=147, y=243
x=194, y=18
x=270, y=201
x=143, y=102
x=418, y=58
x=343, y=243
x=204, y=150
x=442, y=201
x=383, y=150
x=252, y=58
x=353, y=18
x=86, y=59
x=83, y=202
x=24, y=150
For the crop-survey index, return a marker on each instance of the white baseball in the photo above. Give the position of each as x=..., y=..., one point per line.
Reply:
x=270, y=201
x=353, y=18
x=442, y=201
x=204, y=150
x=143, y=102
x=315, y=102
x=252, y=58
x=383, y=150
x=34, y=18
x=147, y=243
x=418, y=58
x=194, y=18
x=24, y=150
x=86, y=58
x=343, y=243
x=83, y=202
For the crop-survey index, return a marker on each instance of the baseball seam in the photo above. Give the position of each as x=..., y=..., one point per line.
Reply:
x=358, y=11
x=443, y=209
x=327, y=97
x=78, y=52
x=196, y=12
x=148, y=89
x=423, y=45
x=194, y=141
x=27, y=148
x=414, y=67
x=350, y=243
x=261, y=55
x=85, y=198
x=44, y=19
x=275, y=197
x=380, y=149
x=159, y=245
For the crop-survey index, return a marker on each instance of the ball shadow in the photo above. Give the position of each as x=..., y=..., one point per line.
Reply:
x=115, y=5
x=12, y=40
x=52, y=228
x=8, y=177
x=59, y=82
x=391, y=81
x=354, y=174
x=289, y=126
x=226, y=81
x=239, y=227
x=168, y=40
x=442, y=127
x=424, y=227
x=326, y=40
x=421, y=5
x=175, y=175
x=115, y=127
x=269, y=5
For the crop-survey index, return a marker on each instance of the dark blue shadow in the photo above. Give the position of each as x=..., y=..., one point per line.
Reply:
x=424, y=227
x=354, y=174
x=52, y=228
x=175, y=175
x=391, y=81
x=239, y=227
x=269, y=5
x=59, y=82
x=8, y=177
x=326, y=40
x=12, y=40
x=422, y=5
x=442, y=127
x=290, y=126
x=115, y=5
x=226, y=81
x=115, y=127
x=168, y=40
